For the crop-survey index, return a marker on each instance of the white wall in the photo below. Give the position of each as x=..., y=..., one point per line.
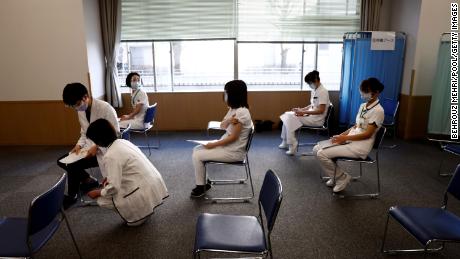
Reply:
x=434, y=20
x=42, y=48
x=94, y=46
x=405, y=17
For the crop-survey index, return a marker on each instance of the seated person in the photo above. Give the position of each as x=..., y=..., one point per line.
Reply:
x=361, y=136
x=312, y=115
x=231, y=146
x=139, y=102
x=76, y=95
x=133, y=186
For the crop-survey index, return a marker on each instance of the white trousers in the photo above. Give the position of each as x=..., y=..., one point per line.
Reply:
x=135, y=124
x=108, y=204
x=201, y=154
x=326, y=155
x=288, y=132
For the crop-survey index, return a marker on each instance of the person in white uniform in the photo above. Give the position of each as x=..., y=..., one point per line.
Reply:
x=231, y=146
x=75, y=95
x=311, y=115
x=357, y=141
x=133, y=186
x=139, y=102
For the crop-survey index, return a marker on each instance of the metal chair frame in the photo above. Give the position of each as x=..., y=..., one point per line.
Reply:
x=443, y=145
x=391, y=124
x=324, y=127
x=150, y=120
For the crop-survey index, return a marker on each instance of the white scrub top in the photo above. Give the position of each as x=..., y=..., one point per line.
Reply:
x=319, y=96
x=370, y=115
x=139, y=96
x=244, y=117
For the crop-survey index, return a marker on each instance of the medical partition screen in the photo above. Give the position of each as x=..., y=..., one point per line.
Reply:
x=360, y=62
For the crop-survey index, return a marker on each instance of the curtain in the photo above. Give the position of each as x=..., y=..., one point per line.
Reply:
x=439, y=120
x=359, y=63
x=370, y=15
x=111, y=27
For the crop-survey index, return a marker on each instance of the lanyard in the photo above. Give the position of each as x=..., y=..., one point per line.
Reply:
x=365, y=110
x=134, y=97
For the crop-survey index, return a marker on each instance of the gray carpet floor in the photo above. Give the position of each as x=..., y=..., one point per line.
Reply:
x=311, y=222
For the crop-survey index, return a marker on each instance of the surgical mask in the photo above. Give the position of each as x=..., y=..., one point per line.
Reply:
x=312, y=86
x=83, y=106
x=225, y=97
x=135, y=85
x=365, y=96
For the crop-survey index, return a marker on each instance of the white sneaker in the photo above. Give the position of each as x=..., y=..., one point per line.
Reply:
x=342, y=182
x=283, y=145
x=292, y=149
x=330, y=182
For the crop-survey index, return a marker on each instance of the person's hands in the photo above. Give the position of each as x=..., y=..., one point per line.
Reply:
x=210, y=145
x=94, y=194
x=104, y=182
x=92, y=151
x=339, y=139
x=124, y=117
x=234, y=120
x=300, y=113
x=295, y=109
x=75, y=149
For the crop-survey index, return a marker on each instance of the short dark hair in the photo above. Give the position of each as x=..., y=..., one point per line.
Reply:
x=237, y=94
x=73, y=93
x=371, y=84
x=312, y=77
x=130, y=76
x=101, y=132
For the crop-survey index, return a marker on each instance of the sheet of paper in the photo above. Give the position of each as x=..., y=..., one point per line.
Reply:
x=73, y=157
x=200, y=142
x=290, y=120
x=328, y=143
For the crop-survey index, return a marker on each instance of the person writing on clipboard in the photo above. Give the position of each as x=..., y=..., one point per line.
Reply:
x=85, y=154
x=357, y=141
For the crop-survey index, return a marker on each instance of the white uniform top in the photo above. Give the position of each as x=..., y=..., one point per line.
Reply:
x=139, y=96
x=99, y=110
x=134, y=184
x=244, y=117
x=373, y=114
x=319, y=96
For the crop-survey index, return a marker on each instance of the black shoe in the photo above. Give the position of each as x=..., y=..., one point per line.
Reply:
x=90, y=185
x=200, y=190
x=69, y=201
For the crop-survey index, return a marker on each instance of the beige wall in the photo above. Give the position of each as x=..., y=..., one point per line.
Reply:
x=42, y=48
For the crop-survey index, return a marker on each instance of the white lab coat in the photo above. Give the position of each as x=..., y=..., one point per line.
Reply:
x=135, y=187
x=99, y=110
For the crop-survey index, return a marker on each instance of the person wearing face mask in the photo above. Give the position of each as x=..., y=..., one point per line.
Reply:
x=231, y=146
x=133, y=186
x=139, y=102
x=75, y=95
x=311, y=115
x=358, y=140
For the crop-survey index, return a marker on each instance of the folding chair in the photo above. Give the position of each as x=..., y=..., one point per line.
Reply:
x=245, y=163
x=324, y=127
x=241, y=234
x=149, y=120
x=24, y=237
x=428, y=225
x=451, y=147
x=368, y=160
x=390, y=108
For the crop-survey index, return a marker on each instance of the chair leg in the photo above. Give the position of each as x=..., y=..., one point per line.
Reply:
x=148, y=142
x=71, y=233
x=382, y=248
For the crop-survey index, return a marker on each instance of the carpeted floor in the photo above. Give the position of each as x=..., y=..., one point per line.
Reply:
x=311, y=222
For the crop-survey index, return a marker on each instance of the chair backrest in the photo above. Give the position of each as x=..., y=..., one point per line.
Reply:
x=454, y=185
x=390, y=108
x=45, y=207
x=250, y=136
x=271, y=195
x=330, y=110
x=125, y=132
x=379, y=137
x=150, y=113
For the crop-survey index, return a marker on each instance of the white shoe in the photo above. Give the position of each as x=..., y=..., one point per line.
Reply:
x=342, y=182
x=292, y=149
x=330, y=182
x=283, y=145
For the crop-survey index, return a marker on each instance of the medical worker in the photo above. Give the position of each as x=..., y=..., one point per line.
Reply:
x=311, y=115
x=361, y=136
x=133, y=186
x=139, y=102
x=231, y=146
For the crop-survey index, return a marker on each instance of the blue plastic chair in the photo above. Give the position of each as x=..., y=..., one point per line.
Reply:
x=390, y=108
x=149, y=120
x=450, y=146
x=428, y=225
x=241, y=234
x=23, y=237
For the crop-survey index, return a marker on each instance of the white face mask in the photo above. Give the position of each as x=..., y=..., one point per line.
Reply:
x=312, y=86
x=365, y=96
x=82, y=107
x=135, y=85
x=225, y=97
